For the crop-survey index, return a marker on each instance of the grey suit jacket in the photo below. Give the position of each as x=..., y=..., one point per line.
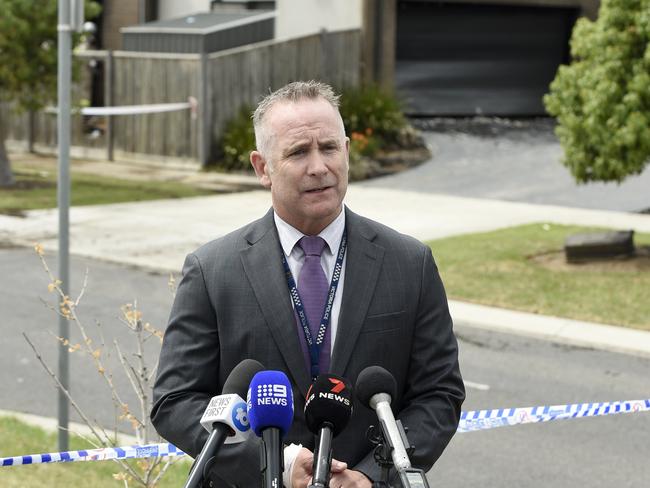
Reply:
x=233, y=303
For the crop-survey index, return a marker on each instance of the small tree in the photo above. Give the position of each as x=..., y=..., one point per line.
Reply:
x=145, y=472
x=602, y=99
x=28, y=60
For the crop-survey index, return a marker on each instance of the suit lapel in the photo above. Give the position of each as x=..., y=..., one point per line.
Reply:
x=263, y=267
x=363, y=262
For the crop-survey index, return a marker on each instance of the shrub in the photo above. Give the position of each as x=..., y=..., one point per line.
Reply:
x=238, y=141
x=371, y=108
x=602, y=99
x=364, y=143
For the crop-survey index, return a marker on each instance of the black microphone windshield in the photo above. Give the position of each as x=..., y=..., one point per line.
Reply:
x=240, y=377
x=373, y=380
x=329, y=401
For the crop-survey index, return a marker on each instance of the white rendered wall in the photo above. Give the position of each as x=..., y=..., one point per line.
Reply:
x=171, y=9
x=303, y=17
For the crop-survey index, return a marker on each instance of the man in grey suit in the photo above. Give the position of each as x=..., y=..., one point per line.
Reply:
x=234, y=302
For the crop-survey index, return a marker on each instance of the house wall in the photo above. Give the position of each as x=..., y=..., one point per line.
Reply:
x=170, y=9
x=304, y=17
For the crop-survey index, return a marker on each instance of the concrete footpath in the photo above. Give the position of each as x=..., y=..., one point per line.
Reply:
x=158, y=235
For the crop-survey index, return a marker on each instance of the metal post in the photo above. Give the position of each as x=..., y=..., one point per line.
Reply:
x=108, y=102
x=31, y=130
x=142, y=11
x=63, y=197
x=205, y=122
x=324, y=56
x=377, y=42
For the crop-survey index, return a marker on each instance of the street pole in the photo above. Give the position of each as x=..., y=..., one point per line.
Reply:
x=64, y=30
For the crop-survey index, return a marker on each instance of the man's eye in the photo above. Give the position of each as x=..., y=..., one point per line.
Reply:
x=297, y=152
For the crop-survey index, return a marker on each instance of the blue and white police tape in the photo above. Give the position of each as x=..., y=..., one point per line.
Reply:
x=101, y=454
x=490, y=419
x=469, y=422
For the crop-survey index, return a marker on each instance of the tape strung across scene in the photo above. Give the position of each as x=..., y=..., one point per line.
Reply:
x=133, y=109
x=490, y=419
x=101, y=454
x=469, y=422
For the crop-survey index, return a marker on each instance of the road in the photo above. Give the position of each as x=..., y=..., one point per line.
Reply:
x=597, y=452
x=509, y=160
x=22, y=294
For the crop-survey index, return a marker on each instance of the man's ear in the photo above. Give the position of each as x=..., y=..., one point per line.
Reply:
x=262, y=169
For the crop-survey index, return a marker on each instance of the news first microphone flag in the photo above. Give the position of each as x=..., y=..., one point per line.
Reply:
x=229, y=410
x=225, y=419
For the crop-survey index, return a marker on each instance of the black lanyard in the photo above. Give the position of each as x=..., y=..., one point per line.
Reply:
x=314, y=346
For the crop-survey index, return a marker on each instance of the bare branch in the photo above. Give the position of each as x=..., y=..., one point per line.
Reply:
x=154, y=370
x=48, y=304
x=168, y=463
x=83, y=289
x=128, y=370
x=102, y=341
x=63, y=389
x=171, y=284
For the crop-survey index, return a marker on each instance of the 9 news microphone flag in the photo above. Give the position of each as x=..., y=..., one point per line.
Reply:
x=328, y=408
x=225, y=418
x=270, y=413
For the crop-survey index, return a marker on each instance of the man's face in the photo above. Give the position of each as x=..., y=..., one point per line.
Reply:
x=306, y=167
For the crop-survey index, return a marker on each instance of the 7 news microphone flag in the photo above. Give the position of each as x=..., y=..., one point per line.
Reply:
x=328, y=408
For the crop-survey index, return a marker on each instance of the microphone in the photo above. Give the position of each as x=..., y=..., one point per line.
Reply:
x=225, y=418
x=376, y=387
x=328, y=408
x=270, y=413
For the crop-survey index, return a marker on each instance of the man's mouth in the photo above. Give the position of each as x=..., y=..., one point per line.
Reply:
x=318, y=190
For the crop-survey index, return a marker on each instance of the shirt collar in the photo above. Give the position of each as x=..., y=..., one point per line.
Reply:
x=289, y=235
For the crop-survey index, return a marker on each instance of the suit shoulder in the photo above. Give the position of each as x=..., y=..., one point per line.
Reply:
x=233, y=242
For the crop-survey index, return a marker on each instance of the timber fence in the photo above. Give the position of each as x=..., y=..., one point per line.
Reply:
x=222, y=82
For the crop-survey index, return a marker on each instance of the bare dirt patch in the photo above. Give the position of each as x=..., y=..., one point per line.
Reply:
x=556, y=261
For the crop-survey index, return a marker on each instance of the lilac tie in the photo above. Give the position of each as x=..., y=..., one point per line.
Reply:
x=313, y=288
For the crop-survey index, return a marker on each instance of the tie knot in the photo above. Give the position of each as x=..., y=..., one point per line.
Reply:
x=312, y=245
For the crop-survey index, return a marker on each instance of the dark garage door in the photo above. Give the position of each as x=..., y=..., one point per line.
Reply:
x=468, y=59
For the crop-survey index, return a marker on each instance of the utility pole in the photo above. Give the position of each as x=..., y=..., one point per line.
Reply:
x=70, y=17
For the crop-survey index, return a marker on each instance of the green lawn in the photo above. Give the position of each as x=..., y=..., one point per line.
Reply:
x=17, y=439
x=496, y=268
x=36, y=188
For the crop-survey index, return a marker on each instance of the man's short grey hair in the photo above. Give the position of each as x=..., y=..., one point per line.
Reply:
x=293, y=92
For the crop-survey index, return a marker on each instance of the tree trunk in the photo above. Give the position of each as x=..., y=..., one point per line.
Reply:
x=31, y=130
x=6, y=175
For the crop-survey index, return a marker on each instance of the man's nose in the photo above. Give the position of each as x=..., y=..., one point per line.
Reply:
x=317, y=164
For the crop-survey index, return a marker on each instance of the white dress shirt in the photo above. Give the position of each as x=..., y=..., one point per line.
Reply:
x=295, y=256
x=332, y=234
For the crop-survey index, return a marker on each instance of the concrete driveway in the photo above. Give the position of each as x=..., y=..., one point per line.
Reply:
x=513, y=160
